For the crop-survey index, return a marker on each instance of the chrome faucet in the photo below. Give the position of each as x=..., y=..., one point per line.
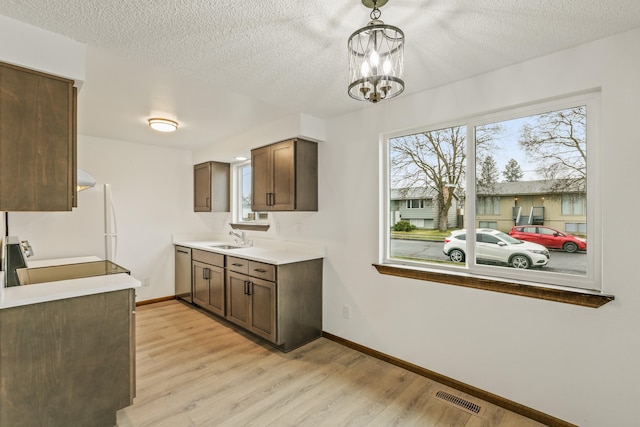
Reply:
x=241, y=235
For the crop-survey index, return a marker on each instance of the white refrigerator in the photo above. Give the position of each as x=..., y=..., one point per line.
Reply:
x=110, y=226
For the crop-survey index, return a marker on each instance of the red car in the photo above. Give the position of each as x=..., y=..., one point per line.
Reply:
x=549, y=238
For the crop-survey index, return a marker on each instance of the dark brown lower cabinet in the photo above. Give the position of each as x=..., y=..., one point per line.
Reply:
x=208, y=281
x=280, y=303
x=69, y=362
x=251, y=303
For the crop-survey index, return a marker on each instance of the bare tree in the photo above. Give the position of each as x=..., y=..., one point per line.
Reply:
x=435, y=161
x=557, y=142
x=432, y=160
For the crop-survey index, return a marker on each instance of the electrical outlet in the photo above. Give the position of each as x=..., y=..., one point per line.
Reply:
x=346, y=312
x=146, y=282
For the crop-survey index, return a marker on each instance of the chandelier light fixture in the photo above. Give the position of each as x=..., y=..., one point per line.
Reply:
x=376, y=58
x=163, y=125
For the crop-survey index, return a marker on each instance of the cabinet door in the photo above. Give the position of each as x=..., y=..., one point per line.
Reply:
x=202, y=187
x=261, y=179
x=216, y=290
x=67, y=362
x=262, y=316
x=283, y=176
x=37, y=137
x=200, y=283
x=211, y=187
x=238, y=299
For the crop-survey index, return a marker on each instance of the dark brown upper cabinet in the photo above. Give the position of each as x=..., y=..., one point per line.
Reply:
x=211, y=185
x=284, y=176
x=38, y=170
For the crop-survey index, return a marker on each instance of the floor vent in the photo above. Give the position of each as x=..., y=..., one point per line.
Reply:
x=459, y=402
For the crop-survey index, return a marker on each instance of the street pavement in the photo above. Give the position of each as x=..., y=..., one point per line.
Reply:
x=559, y=261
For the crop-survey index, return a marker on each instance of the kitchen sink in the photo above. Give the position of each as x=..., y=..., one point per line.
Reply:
x=225, y=246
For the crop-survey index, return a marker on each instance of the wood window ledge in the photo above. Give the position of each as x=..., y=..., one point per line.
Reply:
x=580, y=297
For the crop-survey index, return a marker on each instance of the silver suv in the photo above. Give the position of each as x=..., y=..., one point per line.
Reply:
x=496, y=247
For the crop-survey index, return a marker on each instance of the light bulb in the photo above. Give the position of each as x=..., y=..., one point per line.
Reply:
x=364, y=69
x=374, y=59
x=386, y=67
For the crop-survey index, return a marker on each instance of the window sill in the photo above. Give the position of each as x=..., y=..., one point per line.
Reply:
x=249, y=226
x=580, y=297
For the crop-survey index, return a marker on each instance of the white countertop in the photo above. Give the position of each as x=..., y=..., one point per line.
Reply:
x=16, y=296
x=275, y=253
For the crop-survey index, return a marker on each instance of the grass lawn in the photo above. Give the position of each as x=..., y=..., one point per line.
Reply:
x=433, y=235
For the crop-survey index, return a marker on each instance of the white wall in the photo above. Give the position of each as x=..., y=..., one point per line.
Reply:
x=578, y=364
x=153, y=195
x=41, y=50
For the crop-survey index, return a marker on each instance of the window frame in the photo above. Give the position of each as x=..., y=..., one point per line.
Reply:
x=495, y=204
x=420, y=203
x=236, y=200
x=590, y=283
x=575, y=199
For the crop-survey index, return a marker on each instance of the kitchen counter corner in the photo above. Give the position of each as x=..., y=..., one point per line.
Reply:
x=17, y=296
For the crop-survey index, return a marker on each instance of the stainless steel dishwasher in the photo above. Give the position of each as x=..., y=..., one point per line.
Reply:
x=183, y=274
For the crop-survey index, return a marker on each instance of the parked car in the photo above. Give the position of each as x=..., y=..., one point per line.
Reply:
x=496, y=247
x=549, y=238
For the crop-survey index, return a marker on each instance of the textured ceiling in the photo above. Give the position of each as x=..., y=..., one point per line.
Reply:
x=223, y=66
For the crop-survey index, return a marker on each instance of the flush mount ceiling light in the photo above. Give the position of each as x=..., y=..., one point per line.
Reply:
x=376, y=58
x=163, y=125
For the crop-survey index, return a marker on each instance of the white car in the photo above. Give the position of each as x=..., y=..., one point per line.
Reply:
x=496, y=247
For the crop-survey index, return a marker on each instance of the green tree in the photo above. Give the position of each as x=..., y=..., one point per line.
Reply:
x=512, y=171
x=488, y=175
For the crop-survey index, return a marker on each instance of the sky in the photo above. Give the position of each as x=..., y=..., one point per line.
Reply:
x=508, y=147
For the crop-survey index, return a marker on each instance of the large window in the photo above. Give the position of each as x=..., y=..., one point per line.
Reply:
x=525, y=166
x=488, y=205
x=573, y=204
x=415, y=204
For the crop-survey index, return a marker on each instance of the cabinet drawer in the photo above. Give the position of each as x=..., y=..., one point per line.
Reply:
x=211, y=258
x=262, y=270
x=238, y=264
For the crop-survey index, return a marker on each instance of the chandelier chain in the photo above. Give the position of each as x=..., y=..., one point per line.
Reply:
x=375, y=13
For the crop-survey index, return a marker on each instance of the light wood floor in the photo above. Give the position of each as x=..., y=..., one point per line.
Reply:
x=193, y=370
